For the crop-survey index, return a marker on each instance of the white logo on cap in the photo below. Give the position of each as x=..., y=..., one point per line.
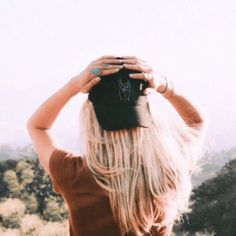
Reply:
x=124, y=90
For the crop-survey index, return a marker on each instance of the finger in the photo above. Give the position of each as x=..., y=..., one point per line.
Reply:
x=133, y=58
x=106, y=57
x=100, y=69
x=131, y=61
x=142, y=76
x=95, y=71
x=135, y=61
x=108, y=61
x=148, y=91
x=110, y=66
x=91, y=84
x=109, y=57
x=129, y=57
x=109, y=71
x=111, y=61
x=145, y=76
x=138, y=67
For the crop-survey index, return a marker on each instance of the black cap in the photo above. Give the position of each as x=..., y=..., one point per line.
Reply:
x=119, y=101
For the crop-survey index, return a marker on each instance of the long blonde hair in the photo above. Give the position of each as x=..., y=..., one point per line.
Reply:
x=146, y=171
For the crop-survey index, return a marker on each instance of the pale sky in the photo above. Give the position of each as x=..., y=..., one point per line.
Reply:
x=44, y=43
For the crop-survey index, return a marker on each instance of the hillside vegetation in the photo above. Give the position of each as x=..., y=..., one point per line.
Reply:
x=30, y=207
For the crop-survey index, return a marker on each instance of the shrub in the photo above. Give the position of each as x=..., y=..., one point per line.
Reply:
x=53, y=210
x=31, y=203
x=10, y=232
x=11, y=211
x=10, y=178
x=31, y=225
x=54, y=229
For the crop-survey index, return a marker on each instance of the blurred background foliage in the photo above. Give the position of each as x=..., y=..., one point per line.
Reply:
x=29, y=206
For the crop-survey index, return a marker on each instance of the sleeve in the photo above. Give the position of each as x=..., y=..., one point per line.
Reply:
x=62, y=164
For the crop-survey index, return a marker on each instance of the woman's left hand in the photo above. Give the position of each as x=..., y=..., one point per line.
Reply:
x=90, y=76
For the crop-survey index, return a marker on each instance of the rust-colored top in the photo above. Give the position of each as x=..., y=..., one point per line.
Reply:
x=88, y=204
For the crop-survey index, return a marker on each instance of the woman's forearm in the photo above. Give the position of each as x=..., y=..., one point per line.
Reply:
x=46, y=114
x=188, y=111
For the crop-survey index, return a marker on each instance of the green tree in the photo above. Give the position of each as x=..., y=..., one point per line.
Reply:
x=214, y=204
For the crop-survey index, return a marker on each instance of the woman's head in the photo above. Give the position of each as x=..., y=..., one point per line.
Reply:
x=119, y=101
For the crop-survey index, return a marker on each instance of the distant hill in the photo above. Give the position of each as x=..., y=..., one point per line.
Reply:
x=8, y=152
x=212, y=164
x=212, y=161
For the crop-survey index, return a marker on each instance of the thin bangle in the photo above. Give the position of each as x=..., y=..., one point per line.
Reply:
x=171, y=89
x=166, y=87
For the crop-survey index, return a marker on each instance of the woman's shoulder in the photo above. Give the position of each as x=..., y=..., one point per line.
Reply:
x=65, y=165
x=66, y=153
x=65, y=158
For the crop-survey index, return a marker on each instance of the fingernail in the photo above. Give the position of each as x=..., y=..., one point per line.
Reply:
x=97, y=79
x=131, y=75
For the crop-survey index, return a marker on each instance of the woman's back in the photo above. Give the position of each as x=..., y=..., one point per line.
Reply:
x=88, y=204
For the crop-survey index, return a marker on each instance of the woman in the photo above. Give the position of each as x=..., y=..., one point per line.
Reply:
x=134, y=178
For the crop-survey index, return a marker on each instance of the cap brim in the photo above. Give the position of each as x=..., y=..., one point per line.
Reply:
x=121, y=117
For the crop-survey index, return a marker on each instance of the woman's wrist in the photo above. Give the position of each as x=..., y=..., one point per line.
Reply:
x=162, y=84
x=166, y=87
x=73, y=82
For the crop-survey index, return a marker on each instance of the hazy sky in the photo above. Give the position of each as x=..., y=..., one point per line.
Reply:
x=44, y=43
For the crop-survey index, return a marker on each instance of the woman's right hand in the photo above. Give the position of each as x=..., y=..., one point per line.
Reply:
x=85, y=81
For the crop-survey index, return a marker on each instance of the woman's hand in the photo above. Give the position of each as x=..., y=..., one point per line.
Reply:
x=154, y=82
x=88, y=78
